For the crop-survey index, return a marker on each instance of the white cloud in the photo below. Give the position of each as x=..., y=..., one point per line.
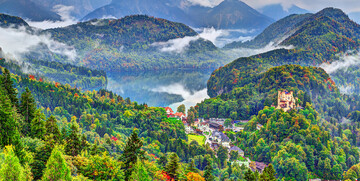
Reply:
x=178, y=45
x=344, y=63
x=17, y=42
x=246, y=52
x=206, y=3
x=66, y=18
x=190, y=99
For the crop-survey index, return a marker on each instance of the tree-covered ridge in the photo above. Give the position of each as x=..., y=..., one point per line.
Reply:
x=326, y=31
x=130, y=31
x=127, y=44
x=7, y=20
x=275, y=33
x=320, y=38
x=308, y=83
x=63, y=73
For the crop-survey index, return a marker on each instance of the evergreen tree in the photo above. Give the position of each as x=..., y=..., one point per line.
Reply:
x=9, y=88
x=191, y=167
x=222, y=154
x=172, y=167
x=27, y=108
x=84, y=143
x=131, y=154
x=249, y=175
x=11, y=168
x=42, y=154
x=73, y=143
x=94, y=149
x=9, y=131
x=162, y=161
x=52, y=129
x=38, y=125
x=56, y=167
x=140, y=173
x=270, y=172
x=208, y=175
x=229, y=170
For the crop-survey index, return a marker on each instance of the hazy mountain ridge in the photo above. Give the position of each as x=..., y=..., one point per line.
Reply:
x=227, y=15
x=27, y=9
x=277, y=11
x=318, y=39
x=275, y=33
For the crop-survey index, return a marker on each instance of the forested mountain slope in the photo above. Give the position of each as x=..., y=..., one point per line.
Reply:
x=135, y=43
x=319, y=38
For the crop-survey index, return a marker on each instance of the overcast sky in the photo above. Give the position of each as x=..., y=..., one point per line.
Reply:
x=313, y=5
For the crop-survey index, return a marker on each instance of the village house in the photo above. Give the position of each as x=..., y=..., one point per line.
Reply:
x=237, y=149
x=189, y=129
x=259, y=126
x=259, y=166
x=220, y=138
x=180, y=115
x=286, y=100
x=169, y=111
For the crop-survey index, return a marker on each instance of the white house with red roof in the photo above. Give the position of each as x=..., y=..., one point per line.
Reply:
x=169, y=111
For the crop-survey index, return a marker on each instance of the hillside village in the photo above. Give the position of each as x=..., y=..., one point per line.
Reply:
x=214, y=129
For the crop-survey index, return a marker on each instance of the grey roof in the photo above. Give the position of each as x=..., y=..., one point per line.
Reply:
x=235, y=148
x=220, y=135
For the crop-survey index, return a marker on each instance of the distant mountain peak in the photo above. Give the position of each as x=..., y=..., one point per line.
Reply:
x=278, y=11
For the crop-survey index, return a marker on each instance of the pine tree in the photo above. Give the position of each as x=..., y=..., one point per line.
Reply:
x=84, y=143
x=27, y=108
x=270, y=172
x=9, y=128
x=131, y=154
x=37, y=125
x=191, y=167
x=249, y=175
x=42, y=154
x=11, y=168
x=222, y=155
x=10, y=90
x=73, y=143
x=208, y=175
x=229, y=170
x=140, y=173
x=56, y=167
x=172, y=167
x=52, y=129
x=162, y=161
x=94, y=149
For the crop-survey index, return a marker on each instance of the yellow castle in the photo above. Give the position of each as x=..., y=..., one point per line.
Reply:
x=286, y=100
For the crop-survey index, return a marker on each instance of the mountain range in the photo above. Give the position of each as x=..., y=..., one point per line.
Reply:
x=277, y=11
x=27, y=9
x=230, y=14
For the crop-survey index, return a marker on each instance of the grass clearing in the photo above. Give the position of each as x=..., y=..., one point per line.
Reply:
x=198, y=138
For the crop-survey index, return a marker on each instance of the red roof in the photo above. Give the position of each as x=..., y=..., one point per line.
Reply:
x=179, y=114
x=169, y=109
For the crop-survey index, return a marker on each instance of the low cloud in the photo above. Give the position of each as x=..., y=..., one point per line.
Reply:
x=16, y=42
x=217, y=37
x=190, y=99
x=246, y=52
x=206, y=3
x=66, y=18
x=343, y=63
x=177, y=45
